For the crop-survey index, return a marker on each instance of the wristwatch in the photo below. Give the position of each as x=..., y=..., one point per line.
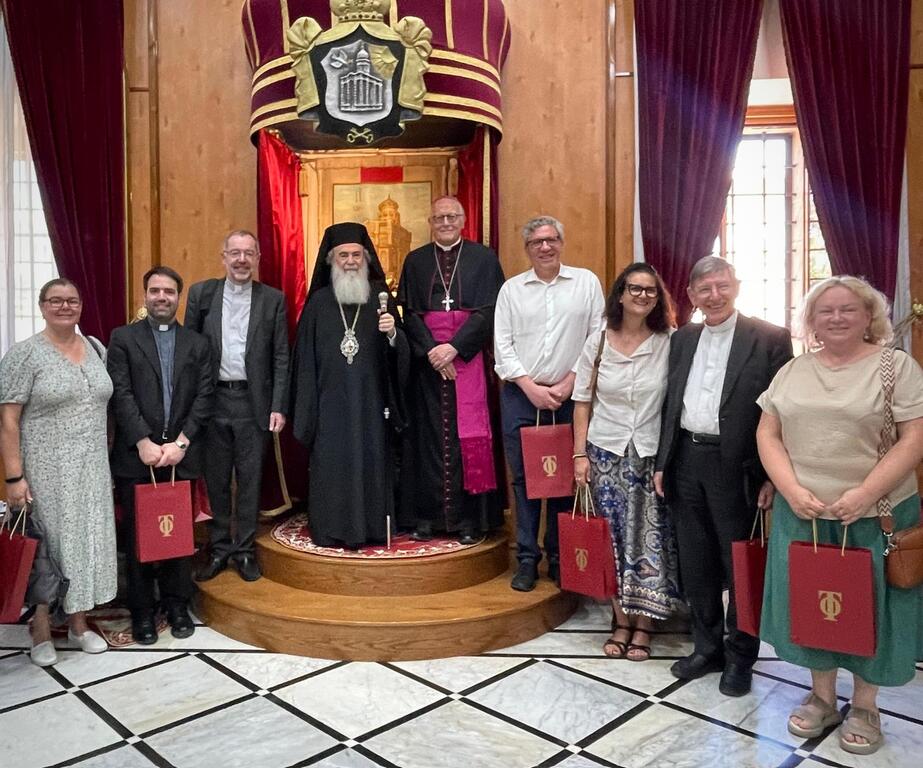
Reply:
x=181, y=445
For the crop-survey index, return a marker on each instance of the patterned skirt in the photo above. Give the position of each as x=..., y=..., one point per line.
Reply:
x=646, y=560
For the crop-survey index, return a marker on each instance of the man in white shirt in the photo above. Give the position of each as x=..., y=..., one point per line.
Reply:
x=707, y=462
x=246, y=325
x=542, y=319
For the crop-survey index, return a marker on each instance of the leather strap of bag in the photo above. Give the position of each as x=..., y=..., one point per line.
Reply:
x=594, y=379
x=886, y=439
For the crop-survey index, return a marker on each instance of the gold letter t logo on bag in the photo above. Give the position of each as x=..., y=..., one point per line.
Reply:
x=582, y=557
x=166, y=525
x=830, y=604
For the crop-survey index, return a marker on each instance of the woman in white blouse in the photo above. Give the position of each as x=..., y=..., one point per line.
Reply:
x=615, y=444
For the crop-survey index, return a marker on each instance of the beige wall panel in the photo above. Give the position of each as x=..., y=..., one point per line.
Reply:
x=136, y=41
x=139, y=203
x=207, y=163
x=552, y=158
x=915, y=166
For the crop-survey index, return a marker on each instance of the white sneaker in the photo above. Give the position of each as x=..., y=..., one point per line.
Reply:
x=89, y=641
x=44, y=654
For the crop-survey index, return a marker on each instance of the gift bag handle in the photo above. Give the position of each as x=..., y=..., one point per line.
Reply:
x=538, y=416
x=172, y=475
x=588, y=506
x=845, y=534
x=760, y=517
x=20, y=519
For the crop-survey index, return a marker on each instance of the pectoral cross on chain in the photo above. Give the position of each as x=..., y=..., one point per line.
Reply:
x=447, y=303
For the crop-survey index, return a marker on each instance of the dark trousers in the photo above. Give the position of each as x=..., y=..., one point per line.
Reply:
x=516, y=411
x=173, y=577
x=709, y=511
x=234, y=445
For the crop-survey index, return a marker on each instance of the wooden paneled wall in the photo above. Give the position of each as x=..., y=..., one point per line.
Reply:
x=191, y=167
x=915, y=166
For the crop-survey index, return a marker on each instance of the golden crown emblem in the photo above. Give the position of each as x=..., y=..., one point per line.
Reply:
x=360, y=10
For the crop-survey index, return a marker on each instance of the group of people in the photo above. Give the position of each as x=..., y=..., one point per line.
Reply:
x=680, y=434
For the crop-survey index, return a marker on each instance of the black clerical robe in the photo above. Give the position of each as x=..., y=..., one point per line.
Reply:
x=347, y=415
x=433, y=490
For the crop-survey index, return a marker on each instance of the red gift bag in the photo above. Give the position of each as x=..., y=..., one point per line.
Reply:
x=201, y=506
x=17, y=551
x=748, y=558
x=546, y=459
x=585, y=547
x=831, y=597
x=163, y=520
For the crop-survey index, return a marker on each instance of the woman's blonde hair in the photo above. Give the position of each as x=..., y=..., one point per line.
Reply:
x=873, y=300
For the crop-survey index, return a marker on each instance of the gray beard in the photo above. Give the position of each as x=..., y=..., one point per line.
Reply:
x=350, y=287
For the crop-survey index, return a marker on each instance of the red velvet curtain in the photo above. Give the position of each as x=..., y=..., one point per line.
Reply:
x=695, y=58
x=68, y=58
x=849, y=64
x=281, y=230
x=471, y=187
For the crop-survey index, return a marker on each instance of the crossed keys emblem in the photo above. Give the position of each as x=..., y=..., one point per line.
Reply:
x=830, y=604
x=166, y=525
x=582, y=557
x=550, y=465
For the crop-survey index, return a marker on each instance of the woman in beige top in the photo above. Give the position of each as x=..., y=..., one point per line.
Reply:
x=818, y=440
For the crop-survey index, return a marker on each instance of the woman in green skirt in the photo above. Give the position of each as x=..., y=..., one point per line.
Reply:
x=818, y=440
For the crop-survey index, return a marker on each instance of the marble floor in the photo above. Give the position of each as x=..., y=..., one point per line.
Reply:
x=554, y=701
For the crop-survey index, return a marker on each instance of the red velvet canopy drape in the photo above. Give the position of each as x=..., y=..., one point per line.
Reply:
x=68, y=58
x=849, y=65
x=695, y=58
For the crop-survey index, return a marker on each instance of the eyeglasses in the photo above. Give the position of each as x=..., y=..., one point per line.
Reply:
x=538, y=242
x=57, y=302
x=445, y=218
x=648, y=290
x=237, y=253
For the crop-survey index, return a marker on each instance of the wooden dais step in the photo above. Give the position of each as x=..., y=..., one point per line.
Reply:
x=391, y=576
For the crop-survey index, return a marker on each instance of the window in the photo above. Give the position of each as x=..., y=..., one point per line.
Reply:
x=770, y=230
x=26, y=259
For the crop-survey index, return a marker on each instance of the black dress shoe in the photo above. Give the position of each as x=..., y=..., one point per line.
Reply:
x=247, y=567
x=467, y=538
x=695, y=666
x=144, y=631
x=180, y=621
x=525, y=578
x=554, y=573
x=424, y=532
x=735, y=680
x=212, y=568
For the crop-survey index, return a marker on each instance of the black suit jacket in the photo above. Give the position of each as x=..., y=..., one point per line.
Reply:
x=266, y=357
x=758, y=350
x=137, y=398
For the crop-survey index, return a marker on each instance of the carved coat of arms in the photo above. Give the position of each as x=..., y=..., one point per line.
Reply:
x=361, y=79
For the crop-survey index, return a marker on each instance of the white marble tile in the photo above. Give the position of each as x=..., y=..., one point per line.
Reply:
x=661, y=737
x=203, y=639
x=253, y=733
x=266, y=670
x=21, y=681
x=51, y=732
x=123, y=757
x=902, y=740
x=346, y=759
x=649, y=677
x=556, y=701
x=151, y=698
x=460, y=673
x=459, y=736
x=83, y=668
x=765, y=710
x=590, y=614
x=559, y=644
x=359, y=697
x=15, y=636
x=578, y=761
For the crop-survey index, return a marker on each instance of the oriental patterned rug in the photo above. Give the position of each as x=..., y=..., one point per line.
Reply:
x=294, y=534
x=113, y=625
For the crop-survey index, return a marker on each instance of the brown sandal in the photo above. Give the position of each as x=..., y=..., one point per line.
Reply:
x=817, y=716
x=865, y=724
x=645, y=649
x=620, y=648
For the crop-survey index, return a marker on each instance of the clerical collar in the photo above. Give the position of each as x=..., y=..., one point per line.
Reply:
x=724, y=326
x=447, y=248
x=231, y=286
x=158, y=326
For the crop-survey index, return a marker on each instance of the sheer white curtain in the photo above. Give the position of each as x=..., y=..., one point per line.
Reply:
x=26, y=258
